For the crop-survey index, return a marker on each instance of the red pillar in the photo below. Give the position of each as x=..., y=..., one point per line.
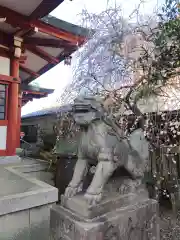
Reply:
x=13, y=109
x=19, y=119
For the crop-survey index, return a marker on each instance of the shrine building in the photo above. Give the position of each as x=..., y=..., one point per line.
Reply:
x=31, y=43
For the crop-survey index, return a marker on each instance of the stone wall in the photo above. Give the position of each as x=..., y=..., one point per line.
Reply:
x=29, y=224
x=25, y=204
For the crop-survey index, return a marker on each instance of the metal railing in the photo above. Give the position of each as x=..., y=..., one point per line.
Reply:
x=29, y=146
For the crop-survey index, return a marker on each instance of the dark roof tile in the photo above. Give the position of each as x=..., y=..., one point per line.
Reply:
x=47, y=111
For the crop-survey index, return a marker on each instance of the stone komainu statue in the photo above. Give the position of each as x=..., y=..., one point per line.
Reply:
x=102, y=144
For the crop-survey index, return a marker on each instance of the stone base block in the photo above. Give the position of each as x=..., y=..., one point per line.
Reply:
x=79, y=205
x=138, y=221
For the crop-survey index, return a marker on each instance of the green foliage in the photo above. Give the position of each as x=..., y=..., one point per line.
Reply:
x=49, y=140
x=167, y=42
x=162, y=63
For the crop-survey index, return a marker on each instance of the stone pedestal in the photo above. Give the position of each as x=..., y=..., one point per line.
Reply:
x=117, y=218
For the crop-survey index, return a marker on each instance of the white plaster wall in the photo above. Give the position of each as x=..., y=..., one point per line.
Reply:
x=3, y=137
x=5, y=66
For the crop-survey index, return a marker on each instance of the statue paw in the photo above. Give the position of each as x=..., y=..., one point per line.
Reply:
x=72, y=190
x=93, y=198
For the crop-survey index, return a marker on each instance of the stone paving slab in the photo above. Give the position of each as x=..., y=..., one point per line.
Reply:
x=11, y=183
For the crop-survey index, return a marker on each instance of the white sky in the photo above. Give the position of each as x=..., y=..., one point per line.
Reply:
x=58, y=77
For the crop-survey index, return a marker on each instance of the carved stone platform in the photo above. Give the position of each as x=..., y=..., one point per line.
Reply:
x=114, y=218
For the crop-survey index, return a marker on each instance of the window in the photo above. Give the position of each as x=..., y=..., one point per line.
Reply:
x=2, y=101
x=30, y=133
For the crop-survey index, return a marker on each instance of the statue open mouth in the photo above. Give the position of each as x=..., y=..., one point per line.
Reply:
x=81, y=108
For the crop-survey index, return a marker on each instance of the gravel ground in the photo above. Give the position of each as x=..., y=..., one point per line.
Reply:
x=169, y=225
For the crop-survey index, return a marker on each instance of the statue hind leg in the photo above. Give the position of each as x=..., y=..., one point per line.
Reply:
x=138, y=160
x=137, y=170
x=75, y=185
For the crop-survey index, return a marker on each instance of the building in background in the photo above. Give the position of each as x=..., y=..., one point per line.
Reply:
x=31, y=43
x=44, y=119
